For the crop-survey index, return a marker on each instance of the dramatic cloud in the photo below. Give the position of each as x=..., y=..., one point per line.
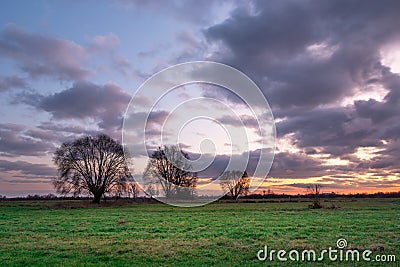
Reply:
x=320, y=66
x=301, y=54
x=331, y=129
x=20, y=140
x=301, y=165
x=43, y=56
x=84, y=100
x=323, y=66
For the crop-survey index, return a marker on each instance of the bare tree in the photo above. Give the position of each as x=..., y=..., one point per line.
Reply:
x=314, y=190
x=235, y=183
x=151, y=191
x=168, y=170
x=93, y=165
x=268, y=193
x=133, y=190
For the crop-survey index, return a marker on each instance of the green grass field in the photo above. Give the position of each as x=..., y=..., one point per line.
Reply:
x=221, y=234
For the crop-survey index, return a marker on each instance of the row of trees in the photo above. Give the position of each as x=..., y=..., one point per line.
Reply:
x=97, y=166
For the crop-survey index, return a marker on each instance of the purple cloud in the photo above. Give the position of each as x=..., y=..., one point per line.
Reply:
x=41, y=56
x=27, y=168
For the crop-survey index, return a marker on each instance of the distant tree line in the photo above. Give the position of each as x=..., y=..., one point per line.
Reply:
x=227, y=197
x=97, y=167
x=325, y=195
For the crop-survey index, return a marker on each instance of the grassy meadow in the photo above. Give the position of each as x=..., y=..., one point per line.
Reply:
x=221, y=234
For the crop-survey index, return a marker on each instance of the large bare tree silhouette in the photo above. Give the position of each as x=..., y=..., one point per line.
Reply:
x=168, y=170
x=93, y=165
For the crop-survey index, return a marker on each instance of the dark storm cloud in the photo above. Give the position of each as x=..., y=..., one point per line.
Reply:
x=333, y=129
x=315, y=121
x=307, y=56
x=296, y=165
x=381, y=111
x=308, y=53
x=374, y=110
x=39, y=55
x=283, y=28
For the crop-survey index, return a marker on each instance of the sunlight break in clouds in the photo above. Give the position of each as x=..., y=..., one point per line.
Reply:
x=231, y=125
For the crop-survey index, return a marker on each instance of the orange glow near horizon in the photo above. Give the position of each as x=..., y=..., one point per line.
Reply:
x=294, y=186
x=325, y=189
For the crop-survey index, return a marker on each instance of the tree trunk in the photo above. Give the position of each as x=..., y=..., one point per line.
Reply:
x=97, y=198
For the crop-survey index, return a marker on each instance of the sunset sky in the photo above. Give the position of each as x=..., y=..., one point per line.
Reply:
x=330, y=71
